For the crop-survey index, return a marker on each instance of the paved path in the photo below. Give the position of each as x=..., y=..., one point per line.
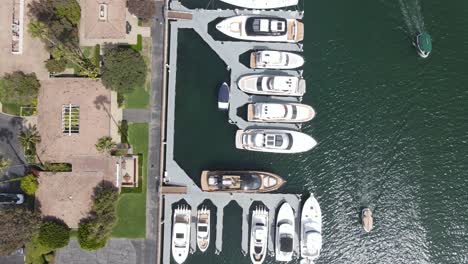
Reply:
x=136, y=115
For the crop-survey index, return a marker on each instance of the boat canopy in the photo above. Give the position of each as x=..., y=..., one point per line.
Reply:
x=265, y=26
x=251, y=182
x=286, y=243
x=425, y=42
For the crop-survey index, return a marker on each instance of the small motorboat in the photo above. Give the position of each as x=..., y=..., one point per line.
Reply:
x=264, y=84
x=262, y=4
x=285, y=233
x=259, y=235
x=181, y=234
x=240, y=181
x=272, y=140
x=223, y=97
x=280, y=112
x=262, y=28
x=423, y=43
x=311, y=230
x=367, y=219
x=272, y=59
x=203, y=229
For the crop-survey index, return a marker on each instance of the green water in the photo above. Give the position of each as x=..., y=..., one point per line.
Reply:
x=392, y=131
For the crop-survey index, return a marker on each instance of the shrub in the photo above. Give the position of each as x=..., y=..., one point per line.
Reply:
x=29, y=184
x=97, y=56
x=124, y=132
x=57, y=167
x=19, y=88
x=55, y=66
x=105, y=145
x=54, y=234
x=18, y=224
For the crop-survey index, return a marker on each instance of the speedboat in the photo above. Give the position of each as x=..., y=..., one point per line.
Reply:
x=285, y=233
x=272, y=59
x=264, y=84
x=423, y=43
x=223, y=97
x=311, y=231
x=259, y=235
x=240, y=181
x=272, y=140
x=280, y=112
x=262, y=4
x=181, y=234
x=367, y=219
x=203, y=229
x=262, y=28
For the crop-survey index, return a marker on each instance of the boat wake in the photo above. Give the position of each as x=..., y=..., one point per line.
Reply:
x=412, y=15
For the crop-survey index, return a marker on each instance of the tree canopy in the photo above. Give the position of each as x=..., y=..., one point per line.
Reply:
x=54, y=233
x=105, y=145
x=141, y=8
x=124, y=69
x=18, y=225
x=19, y=88
x=29, y=184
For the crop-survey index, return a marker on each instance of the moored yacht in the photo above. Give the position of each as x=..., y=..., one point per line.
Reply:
x=262, y=28
x=203, y=229
x=285, y=232
x=181, y=234
x=367, y=219
x=272, y=140
x=259, y=235
x=240, y=181
x=280, y=112
x=262, y=4
x=272, y=59
x=223, y=97
x=311, y=230
x=423, y=43
x=263, y=84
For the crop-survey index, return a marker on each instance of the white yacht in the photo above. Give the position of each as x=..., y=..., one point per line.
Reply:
x=311, y=231
x=273, y=140
x=279, y=112
x=284, y=233
x=259, y=235
x=262, y=28
x=203, y=229
x=272, y=59
x=264, y=84
x=181, y=234
x=262, y=4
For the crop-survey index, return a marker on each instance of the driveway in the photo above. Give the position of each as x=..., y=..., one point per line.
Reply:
x=10, y=127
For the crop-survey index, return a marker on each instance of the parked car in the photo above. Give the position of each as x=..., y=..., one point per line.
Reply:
x=11, y=198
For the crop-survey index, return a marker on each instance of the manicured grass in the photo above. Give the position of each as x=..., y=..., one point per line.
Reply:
x=131, y=209
x=139, y=45
x=139, y=98
x=12, y=109
x=36, y=253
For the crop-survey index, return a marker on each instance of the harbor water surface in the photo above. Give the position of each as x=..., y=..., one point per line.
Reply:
x=392, y=131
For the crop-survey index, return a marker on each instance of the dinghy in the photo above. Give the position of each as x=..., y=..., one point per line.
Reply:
x=311, y=231
x=223, y=97
x=203, y=229
x=285, y=233
x=423, y=43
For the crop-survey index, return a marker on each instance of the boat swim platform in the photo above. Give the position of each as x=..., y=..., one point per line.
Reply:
x=174, y=175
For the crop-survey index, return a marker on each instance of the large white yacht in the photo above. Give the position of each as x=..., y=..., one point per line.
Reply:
x=262, y=4
x=311, y=231
x=272, y=59
x=262, y=28
x=264, y=84
x=259, y=235
x=279, y=112
x=285, y=233
x=181, y=234
x=273, y=140
x=203, y=229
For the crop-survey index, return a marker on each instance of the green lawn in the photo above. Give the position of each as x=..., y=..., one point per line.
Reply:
x=131, y=209
x=139, y=98
x=12, y=109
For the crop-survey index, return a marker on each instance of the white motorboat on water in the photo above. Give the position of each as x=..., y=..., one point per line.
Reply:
x=223, y=97
x=285, y=231
x=264, y=84
x=259, y=235
x=311, y=231
x=280, y=112
x=367, y=219
x=262, y=4
x=262, y=28
x=272, y=59
x=181, y=234
x=274, y=140
x=203, y=229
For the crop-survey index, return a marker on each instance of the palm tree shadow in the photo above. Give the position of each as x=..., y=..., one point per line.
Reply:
x=102, y=101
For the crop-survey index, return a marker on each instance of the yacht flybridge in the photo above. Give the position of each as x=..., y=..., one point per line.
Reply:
x=272, y=59
x=279, y=112
x=203, y=229
x=272, y=140
x=272, y=85
x=262, y=28
x=181, y=234
x=285, y=233
x=262, y=4
x=259, y=235
x=311, y=231
x=240, y=181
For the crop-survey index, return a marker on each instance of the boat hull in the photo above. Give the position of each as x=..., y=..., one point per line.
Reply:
x=264, y=176
x=249, y=84
x=367, y=219
x=284, y=230
x=311, y=221
x=294, y=61
x=301, y=142
x=262, y=4
x=304, y=113
x=181, y=227
x=203, y=229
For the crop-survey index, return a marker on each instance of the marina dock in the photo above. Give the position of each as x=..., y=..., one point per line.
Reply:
x=229, y=52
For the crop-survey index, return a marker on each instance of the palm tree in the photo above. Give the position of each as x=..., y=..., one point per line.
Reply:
x=28, y=139
x=4, y=164
x=105, y=145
